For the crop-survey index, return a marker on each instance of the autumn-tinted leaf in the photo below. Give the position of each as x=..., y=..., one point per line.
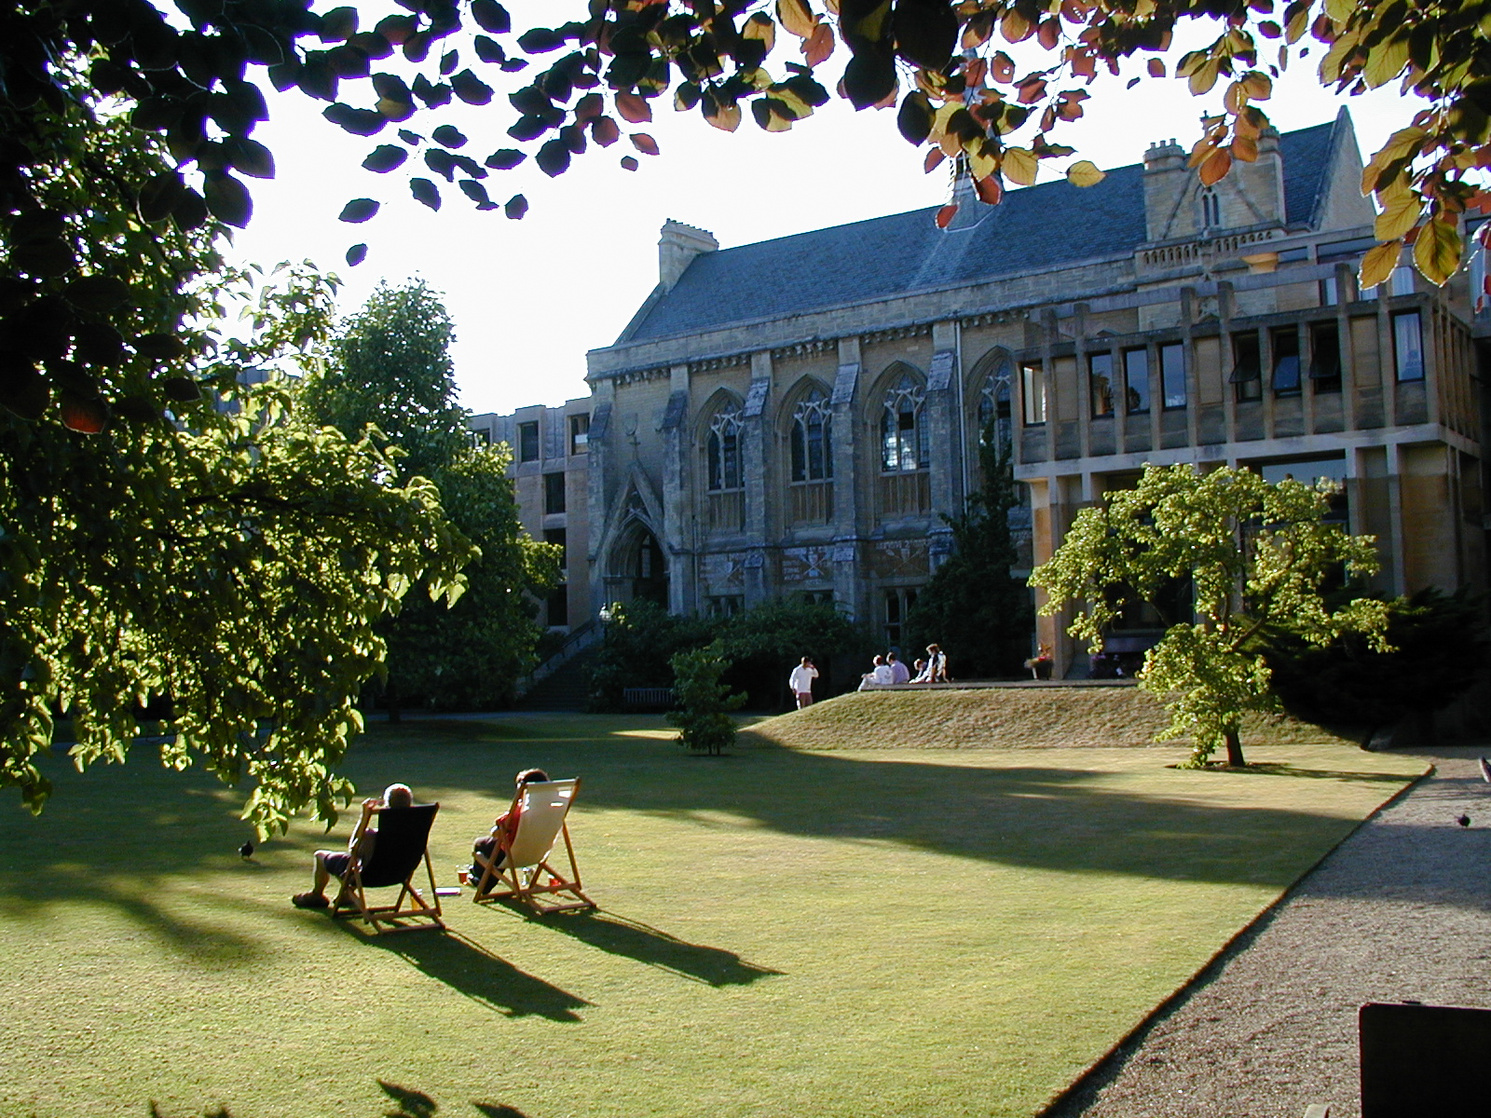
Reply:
x=505, y=159
x=644, y=143
x=633, y=109
x=629, y=162
x=1379, y=263
x=227, y=199
x=946, y=214
x=1020, y=166
x=1215, y=167
x=933, y=161
x=818, y=46
x=1048, y=33
x=604, y=131
x=426, y=192
x=1436, y=252
x=1156, y=68
x=358, y=210
x=988, y=190
x=1002, y=67
x=385, y=157
x=1084, y=172
x=796, y=17
x=86, y=415
x=516, y=207
x=356, y=255
x=1031, y=89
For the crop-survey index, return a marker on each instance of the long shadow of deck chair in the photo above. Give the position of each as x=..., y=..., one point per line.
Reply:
x=524, y=872
x=401, y=846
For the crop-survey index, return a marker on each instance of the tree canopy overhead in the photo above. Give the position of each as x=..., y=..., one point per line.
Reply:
x=986, y=81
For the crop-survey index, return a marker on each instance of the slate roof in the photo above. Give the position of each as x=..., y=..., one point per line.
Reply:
x=1031, y=230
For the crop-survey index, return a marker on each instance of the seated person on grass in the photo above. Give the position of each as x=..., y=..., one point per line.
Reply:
x=334, y=863
x=506, y=826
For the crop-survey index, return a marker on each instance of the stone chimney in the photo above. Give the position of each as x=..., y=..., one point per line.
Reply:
x=1165, y=182
x=677, y=246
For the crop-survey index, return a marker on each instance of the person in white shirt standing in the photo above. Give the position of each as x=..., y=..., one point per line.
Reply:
x=801, y=682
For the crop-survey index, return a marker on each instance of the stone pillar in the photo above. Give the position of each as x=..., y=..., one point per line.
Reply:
x=602, y=394
x=676, y=537
x=943, y=436
x=756, y=467
x=849, y=591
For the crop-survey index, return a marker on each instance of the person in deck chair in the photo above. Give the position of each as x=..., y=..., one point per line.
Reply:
x=334, y=863
x=507, y=824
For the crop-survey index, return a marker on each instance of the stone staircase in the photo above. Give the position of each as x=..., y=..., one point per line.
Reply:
x=566, y=688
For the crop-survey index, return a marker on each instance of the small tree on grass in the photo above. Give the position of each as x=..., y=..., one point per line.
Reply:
x=703, y=700
x=1256, y=555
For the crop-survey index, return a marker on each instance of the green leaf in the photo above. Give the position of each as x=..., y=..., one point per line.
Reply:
x=227, y=199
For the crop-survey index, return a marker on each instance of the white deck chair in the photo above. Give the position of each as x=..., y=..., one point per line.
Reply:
x=525, y=872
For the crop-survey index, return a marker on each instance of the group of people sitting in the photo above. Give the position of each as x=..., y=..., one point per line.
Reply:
x=889, y=670
x=490, y=846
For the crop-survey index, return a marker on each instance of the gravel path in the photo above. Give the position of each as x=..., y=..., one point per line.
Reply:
x=1400, y=911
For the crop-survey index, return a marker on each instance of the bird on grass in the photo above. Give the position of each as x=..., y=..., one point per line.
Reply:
x=246, y=851
x=1463, y=820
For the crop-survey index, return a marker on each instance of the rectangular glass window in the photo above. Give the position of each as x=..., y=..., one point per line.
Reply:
x=553, y=493
x=558, y=606
x=1136, y=379
x=559, y=538
x=1403, y=280
x=1033, y=394
x=1100, y=379
x=1246, y=378
x=1408, y=345
x=1286, y=360
x=1173, y=375
x=898, y=603
x=579, y=433
x=527, y=442
x=723, y=605
x=1325, y=357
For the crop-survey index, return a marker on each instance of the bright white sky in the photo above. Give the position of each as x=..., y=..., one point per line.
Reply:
x=530, y=297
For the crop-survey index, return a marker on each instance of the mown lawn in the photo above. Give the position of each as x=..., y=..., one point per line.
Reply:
x=912, y=932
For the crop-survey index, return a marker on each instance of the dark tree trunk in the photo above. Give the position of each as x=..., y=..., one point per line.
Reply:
x=1234, y=750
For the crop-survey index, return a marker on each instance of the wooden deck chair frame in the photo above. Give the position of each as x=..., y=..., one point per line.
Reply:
x=532, y=884
x=414, y=910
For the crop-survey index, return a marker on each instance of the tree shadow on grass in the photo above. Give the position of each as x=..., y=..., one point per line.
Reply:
x=488, y=979
x=619, y=935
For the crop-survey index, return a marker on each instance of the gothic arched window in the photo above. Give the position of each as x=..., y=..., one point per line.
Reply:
x=724, y=449
x=812, y=438
x=994, y=404
x=903, y=429
x=1211, y=208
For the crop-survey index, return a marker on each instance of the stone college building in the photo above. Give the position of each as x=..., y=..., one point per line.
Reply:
x=795, y=417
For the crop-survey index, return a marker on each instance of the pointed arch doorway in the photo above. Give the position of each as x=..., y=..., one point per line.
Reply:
x=638, y=569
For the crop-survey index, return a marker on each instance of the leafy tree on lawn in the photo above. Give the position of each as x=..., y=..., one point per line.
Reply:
x=972, y=607
x=704, y=700
x=194, y=79
x=1256, y=554
x=390, y=373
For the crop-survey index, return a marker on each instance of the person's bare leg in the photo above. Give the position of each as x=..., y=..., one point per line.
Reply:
x=316, y=898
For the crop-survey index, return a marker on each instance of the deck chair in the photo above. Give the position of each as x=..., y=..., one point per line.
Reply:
x=402, y=845
x=525, y=873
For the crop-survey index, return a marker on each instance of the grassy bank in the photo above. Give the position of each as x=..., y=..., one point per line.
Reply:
x=781, y=932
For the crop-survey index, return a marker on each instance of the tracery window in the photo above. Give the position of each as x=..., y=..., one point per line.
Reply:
x=994, y=404
x=903, y=429
x=723, y=450
x=812, y=438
